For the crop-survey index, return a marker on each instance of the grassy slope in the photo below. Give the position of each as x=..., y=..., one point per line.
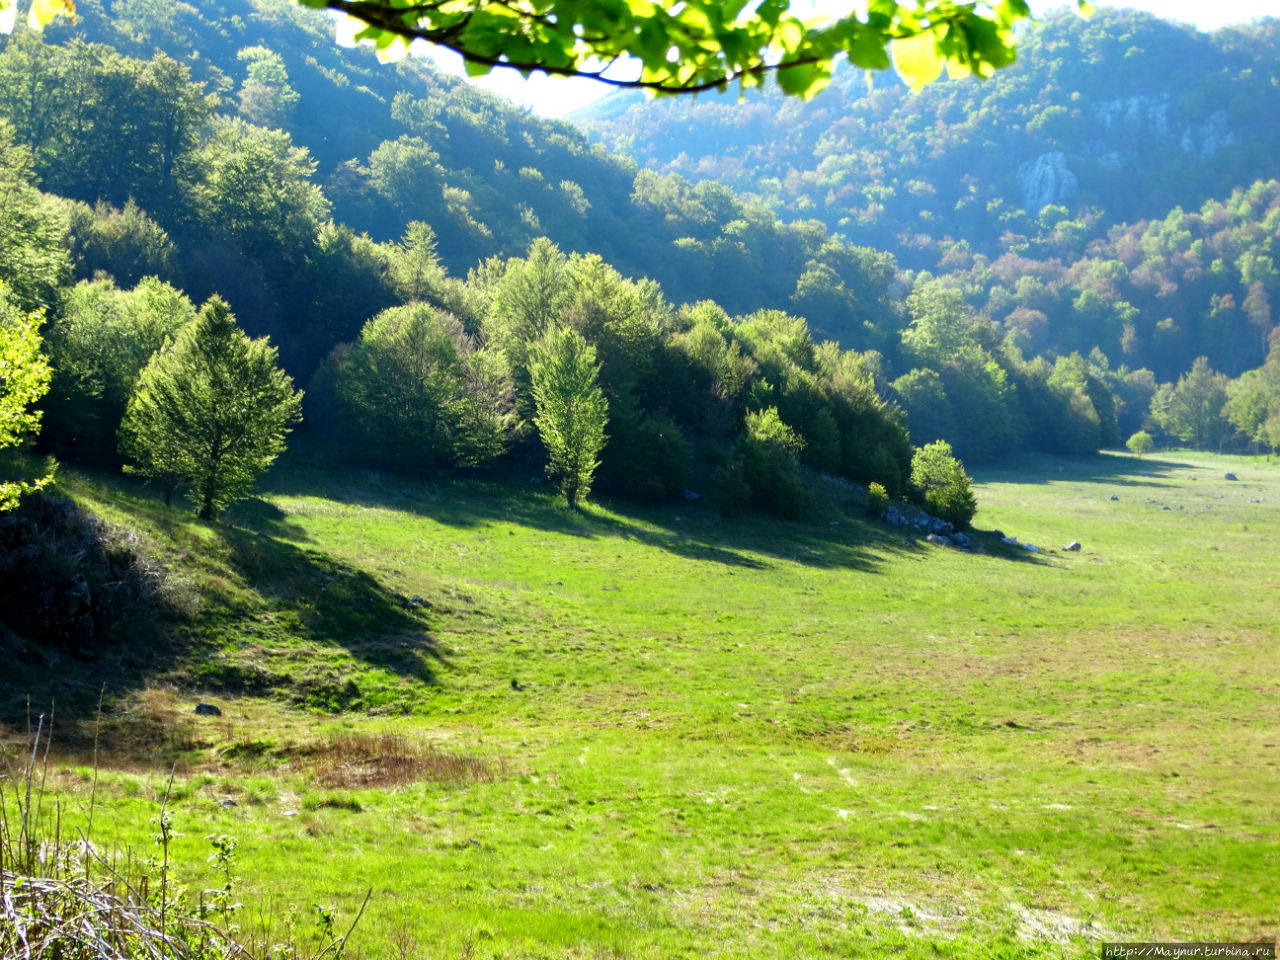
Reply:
x=760, y=739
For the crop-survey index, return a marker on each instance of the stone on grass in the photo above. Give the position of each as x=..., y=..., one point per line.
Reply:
x=1229, y=476
x=1114, y=498
x=1073, y=546
x=939, y=540
x=208, y=710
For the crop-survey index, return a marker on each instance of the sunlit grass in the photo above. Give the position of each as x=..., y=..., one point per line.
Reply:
x=735, y=739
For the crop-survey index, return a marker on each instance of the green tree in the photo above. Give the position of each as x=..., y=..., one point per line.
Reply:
x=24, y=378
x=571, y=411
x=212, y=411
x=939, y=481
x=416, y=392
x=770, y=453
x=265, y=95
x=1140, y=444
x=1192, y=410
x=33, y=229
x=98, y=347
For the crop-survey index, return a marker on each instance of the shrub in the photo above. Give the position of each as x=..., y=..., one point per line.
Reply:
x=877, y=498
x=1141, y=443
x=939, y=482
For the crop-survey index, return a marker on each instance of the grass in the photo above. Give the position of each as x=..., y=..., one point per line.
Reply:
x=655, y=734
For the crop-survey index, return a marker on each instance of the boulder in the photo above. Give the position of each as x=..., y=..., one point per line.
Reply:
x=1011, y=541
x=1030, y=548
x=1113, y=498
x=207, y=710
x=1229, y=476
x=1073, y=546
x=961, y=539
x=939, y=540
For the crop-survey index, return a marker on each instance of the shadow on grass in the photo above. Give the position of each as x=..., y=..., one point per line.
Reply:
x=230, y=608
x=836, y=536
x=1113, y=469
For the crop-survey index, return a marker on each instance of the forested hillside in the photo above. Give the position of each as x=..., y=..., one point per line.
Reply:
x=157, y=155
x=1116, y=118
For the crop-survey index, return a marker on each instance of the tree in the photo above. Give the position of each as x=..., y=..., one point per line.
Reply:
x=98, y=347
x=24, y=377
x=571, y=409
x=940, y=482
x=681, y=47
x=33, y=255
x=212, y=411
x=418, y=393
x=1140, y=444
x=1192, y=410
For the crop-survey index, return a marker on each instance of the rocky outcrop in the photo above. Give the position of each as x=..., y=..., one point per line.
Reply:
x=1046, y=180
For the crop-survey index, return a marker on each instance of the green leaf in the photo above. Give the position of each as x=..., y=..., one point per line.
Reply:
x=867, y=50
x=804, y=79
x=917, y=60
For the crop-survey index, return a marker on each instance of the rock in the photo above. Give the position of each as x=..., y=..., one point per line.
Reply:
x=1073, y=546
x=938, y=540
x=962, y=539
x=227, y=802
x=691, y=496
x=1046, y=180
x=416, y=601
x=1229, y=476
x=1030, y=548
x=1113, y=498
x=1166, y=508
x=833, y=524
x=1011, y=541
x=207, y=710
x=998, y=533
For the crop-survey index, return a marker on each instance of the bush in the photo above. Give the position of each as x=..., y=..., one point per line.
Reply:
x=771, y=457
x=877, y=499
x=1141, y=443
x=939, y=482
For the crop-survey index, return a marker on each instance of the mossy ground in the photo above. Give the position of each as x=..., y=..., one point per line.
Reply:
x=710, y=738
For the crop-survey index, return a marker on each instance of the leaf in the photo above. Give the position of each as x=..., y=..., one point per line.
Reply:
x=804, y=79
x=917, y=61
x=43, y=11
x=866, y=50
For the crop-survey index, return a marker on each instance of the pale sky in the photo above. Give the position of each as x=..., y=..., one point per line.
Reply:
x=557, y=96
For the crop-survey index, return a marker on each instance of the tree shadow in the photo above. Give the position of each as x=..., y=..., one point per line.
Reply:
x=1114, y=469
x=837, y=535
x=240, y=612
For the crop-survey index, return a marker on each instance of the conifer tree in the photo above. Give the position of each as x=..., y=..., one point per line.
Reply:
x=212, y=411
x=571, y=409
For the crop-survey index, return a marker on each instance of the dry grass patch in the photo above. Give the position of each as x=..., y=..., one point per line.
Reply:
x=364, y=760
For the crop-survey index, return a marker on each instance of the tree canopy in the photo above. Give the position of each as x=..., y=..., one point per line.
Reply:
x=680, y=46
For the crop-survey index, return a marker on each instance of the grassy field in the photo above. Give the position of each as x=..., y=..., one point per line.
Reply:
x=655, y=734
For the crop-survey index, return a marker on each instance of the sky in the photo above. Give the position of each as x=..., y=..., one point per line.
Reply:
x=557, y=96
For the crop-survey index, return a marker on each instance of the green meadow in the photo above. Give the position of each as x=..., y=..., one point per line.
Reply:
x=631, y=733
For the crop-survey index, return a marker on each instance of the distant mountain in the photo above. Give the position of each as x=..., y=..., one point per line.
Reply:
x=1116, y=118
